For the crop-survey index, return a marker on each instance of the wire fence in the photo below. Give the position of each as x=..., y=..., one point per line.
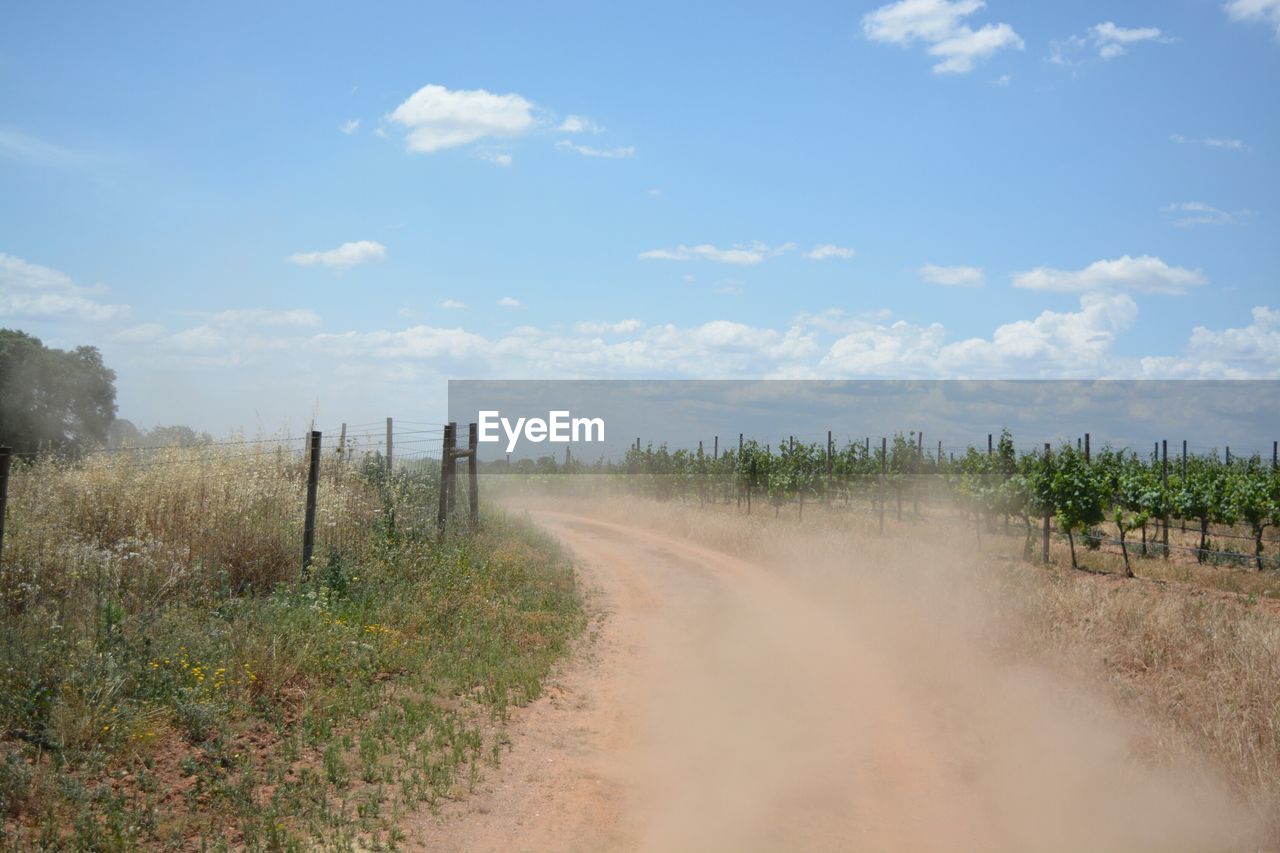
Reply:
x=239, y=514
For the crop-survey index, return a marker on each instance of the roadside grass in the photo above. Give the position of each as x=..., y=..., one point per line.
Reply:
x=168, y=681
x=1189, y=652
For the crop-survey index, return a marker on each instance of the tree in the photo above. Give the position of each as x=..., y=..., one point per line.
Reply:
x=65, y=400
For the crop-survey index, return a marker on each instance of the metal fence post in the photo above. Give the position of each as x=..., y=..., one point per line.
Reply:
x=1044, y=546
x=1164, y=481
x=884, y=467
x=389, y=468
x=309, y=526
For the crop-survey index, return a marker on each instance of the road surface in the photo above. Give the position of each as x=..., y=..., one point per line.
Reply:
x=722, y=705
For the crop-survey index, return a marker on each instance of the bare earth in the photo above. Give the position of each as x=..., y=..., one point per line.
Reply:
x=720, y=705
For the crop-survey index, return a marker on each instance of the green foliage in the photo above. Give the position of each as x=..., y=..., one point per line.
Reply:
x=53, y=398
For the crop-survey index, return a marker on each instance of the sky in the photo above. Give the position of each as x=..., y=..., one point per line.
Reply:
x=265, y=214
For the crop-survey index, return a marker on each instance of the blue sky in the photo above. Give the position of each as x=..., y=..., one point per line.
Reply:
x=262, y=216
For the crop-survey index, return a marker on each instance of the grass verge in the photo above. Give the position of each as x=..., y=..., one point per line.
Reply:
x=150, y=700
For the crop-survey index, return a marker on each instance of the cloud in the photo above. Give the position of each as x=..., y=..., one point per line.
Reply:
x=938, y=24
x=1108, y=39
x=579, y=124
x=1111, y=40
x=350, y=126
x=1003, y=80
x=1243, y=352
x=622, y=327
x=1191, y=213
x=620, y=152
x=500, y=158
x=1076, y=343
x=266, y=317
x=1259, y=11
x=829, y=250
x=436, y=118
x=1054, y=344
x=743, y=254
x=509, y=302
x=345, y=256
x=953, y=276
x=452, y=305
x=37, y=152
x=1211, y=142
x=31, y=290
x=1143, y=274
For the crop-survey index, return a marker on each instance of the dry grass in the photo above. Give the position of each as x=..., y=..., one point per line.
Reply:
x=169, y=679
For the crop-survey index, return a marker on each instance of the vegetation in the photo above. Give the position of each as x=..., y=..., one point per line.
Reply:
x=1079, y=493
x=167, y=680
x=53, y=398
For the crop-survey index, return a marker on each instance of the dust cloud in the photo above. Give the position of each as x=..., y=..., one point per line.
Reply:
x=837, y=691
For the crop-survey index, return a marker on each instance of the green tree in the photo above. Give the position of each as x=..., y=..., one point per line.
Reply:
x=64, y=400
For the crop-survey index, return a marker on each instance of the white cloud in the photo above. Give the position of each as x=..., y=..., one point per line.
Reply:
x=1260, y=11
x=654, y=191
x=31, y=290
x=579, y=124
x=350, y=126
x=1077, y=343
x=1211, y=142
x=267, y=317
x=620, y=152
x=436, y=118
x=1235, y=353
x=623, y=327
x=744, y=254
x=938, y=24
x=1145, y=274
x=453, y=305
x=346, y=255
x=1054, y=344
x=1111, y=40
x=500, y=158
x=1191, y=213
x=509, y=302
x=953, y=276
x=829, y=250
x=1003, y=80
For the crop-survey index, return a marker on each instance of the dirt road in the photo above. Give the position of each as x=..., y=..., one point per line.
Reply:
x=721, y=705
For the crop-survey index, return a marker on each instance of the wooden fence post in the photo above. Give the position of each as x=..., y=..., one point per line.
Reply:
x=309, y=525
x=715, y=448
x=342, y=441
x=453, y=465
x=1044, y=545
x=6, y=458
x=446, y=467
x=389, y=468
x=1086, y=448
x=473, y=475
x=989, y=445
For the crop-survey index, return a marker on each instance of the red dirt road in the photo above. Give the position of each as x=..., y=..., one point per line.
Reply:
x=720, y=705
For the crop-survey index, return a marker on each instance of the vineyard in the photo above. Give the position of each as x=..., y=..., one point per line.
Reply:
x=1112, y=497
